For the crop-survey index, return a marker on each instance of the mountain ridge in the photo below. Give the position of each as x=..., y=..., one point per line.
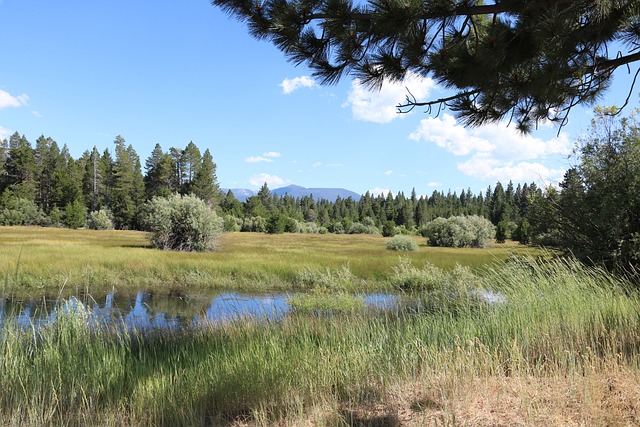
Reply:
x=297, y=191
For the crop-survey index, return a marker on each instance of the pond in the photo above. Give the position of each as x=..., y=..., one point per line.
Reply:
x=147, y=310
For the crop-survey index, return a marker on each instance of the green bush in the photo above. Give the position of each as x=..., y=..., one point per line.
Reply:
x=20, y=211
x=402, y=243
x=75, y=214
x=100, y=220
x=231, y=223
x=184, y=223
x=360, y=228
x=389, y=229
x=276, y=223
x=460, y=232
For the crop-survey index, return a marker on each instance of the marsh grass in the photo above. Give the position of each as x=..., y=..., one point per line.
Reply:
x=44, y=260
x=562, y=350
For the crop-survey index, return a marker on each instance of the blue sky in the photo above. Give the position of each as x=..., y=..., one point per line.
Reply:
x=170, y=72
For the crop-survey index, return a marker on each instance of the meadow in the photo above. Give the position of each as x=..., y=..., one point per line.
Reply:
x=50, y=260
x=561, y=348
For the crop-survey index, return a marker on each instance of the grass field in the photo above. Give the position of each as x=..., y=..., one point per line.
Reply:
x=35, y=259
x=563, y=350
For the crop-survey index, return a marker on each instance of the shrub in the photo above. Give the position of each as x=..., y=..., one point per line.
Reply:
x=460, y=232
x=402, y=243
x=184, y=223
x=20, y=211
x=360, y=228
x=231, y=223
x=100, y=220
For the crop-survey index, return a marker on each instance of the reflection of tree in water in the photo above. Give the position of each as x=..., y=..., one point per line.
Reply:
x=141, y=316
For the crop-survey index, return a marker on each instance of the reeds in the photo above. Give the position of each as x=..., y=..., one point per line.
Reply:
x=561, y=349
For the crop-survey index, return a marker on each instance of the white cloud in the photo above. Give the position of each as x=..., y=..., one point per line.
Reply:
x=494, y=170
x=389, y=172
x=37, y=114
x=266, y=157
x=317, y=164
x=271, y=180
x=497, y=152
x=290, y=85
x=434, y=184
x=8, y=100
x=257, y=159
x=380, y=106
x=379, y=191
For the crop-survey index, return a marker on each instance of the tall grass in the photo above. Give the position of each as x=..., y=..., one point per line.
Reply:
x=570, y=331
x=36, y=259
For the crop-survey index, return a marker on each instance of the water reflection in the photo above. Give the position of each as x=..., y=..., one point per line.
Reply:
x=146, y=310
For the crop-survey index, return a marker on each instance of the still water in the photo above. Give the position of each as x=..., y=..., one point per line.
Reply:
x=146, y=310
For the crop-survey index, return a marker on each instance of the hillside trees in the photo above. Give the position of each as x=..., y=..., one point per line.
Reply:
x=527, y=61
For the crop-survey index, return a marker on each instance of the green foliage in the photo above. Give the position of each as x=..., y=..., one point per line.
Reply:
x=360, y=228
x=522, y=60
x=75, y=214
x=183, y=223
x=276, y=223
x=460, y=232
x=322, y=301
x=20, y=211
x=341, y=279
x=523, y=232
x=256, y=224
x=389, y=229
x=231, y=223
x=402, y=243
x=501, y=232
x=100, y=220
x=599, y=205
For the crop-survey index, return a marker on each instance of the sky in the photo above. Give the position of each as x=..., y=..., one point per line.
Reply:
x=169, y=72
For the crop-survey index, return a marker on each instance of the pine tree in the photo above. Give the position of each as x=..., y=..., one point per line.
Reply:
x=20, y=168
x=160, y=168
x=127, y=195
x=527, y=60
x=205, y=182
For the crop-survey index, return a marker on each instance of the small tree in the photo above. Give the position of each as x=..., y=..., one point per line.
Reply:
x=184, y=223
x=389, y=229
x=75, y=214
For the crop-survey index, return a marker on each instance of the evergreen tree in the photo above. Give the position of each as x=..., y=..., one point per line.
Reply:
x=127, y=195
x=205, y=182
x=159, y=178
x=20, y=168
x=191, y=162
x=600, y=199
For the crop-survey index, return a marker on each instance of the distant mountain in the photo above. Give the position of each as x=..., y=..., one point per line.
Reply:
x=331, y=194
x=241, y=194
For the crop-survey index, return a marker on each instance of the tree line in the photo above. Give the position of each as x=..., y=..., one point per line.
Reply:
x=45, y=185
x=594, y=212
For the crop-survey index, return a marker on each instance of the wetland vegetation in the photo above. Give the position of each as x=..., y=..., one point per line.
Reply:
x=560, y=348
